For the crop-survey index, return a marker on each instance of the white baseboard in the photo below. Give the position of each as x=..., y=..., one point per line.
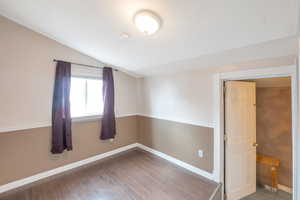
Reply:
x=178, y=162
x=285, y=188
x=37, y=177
x=46, y=174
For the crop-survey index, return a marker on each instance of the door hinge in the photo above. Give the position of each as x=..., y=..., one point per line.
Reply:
x=225, y=138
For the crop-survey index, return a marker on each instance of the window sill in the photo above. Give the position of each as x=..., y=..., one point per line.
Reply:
x=90, y=118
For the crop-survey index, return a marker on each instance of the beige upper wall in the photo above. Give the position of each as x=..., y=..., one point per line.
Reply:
x=188, y=96
x=185, y=97
x=27, y=77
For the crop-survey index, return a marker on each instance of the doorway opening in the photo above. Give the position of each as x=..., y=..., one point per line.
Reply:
x=258, y=138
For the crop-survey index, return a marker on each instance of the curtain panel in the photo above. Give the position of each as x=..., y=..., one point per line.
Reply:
x=108, y=130
x=61, y=117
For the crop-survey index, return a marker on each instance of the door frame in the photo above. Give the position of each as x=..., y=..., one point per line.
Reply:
x=219, y=79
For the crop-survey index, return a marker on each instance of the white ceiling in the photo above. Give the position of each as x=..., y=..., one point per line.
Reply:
x=192, y=29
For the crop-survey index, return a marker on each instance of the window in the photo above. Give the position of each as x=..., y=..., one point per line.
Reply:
x=86, y=97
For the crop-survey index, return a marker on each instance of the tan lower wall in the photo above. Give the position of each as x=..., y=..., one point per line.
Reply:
x=179, y=140
x=27, y=152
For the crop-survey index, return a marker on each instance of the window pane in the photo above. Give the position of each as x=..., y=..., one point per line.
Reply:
x=78, y=96
x=94, y=97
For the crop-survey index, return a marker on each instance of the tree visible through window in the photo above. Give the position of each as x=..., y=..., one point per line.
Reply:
x=86, y=97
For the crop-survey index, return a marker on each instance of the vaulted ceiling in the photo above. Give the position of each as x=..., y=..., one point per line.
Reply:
x=193, y=30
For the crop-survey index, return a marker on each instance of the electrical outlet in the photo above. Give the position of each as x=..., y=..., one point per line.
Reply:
x=200, y=153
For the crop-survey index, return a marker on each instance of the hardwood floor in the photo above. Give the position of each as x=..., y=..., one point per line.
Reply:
x=263, y=194
x=133, y=175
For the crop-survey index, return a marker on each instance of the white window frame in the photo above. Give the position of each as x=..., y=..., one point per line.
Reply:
x=87, y=118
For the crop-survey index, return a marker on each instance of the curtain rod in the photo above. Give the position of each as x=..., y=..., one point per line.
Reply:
x=90, y=66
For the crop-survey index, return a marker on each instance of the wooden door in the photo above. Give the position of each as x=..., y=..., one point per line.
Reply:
x=240, y=146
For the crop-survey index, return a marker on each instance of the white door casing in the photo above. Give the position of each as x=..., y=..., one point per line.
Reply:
x=240, y=130
x=219, y=78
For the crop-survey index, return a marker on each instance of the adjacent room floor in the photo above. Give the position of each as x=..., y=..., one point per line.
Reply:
x=263, y=194
x=132, y=175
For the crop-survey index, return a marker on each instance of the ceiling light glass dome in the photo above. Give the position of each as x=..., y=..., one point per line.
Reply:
x=147, y=22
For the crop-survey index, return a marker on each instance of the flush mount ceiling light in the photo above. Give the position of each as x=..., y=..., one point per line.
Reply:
x=124, y=35
x=147, y=22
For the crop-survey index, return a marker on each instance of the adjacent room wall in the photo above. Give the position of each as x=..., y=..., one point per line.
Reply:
x=274, y=134
x=26, y=85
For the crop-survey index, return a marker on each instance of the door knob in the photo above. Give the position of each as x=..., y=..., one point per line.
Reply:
x=255, y=144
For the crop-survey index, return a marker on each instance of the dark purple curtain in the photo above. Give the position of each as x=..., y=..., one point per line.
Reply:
x=108, y=130
x=61, y=118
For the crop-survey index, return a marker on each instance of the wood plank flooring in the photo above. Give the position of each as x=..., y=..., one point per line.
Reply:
x=134, y=175
x=263, y=194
